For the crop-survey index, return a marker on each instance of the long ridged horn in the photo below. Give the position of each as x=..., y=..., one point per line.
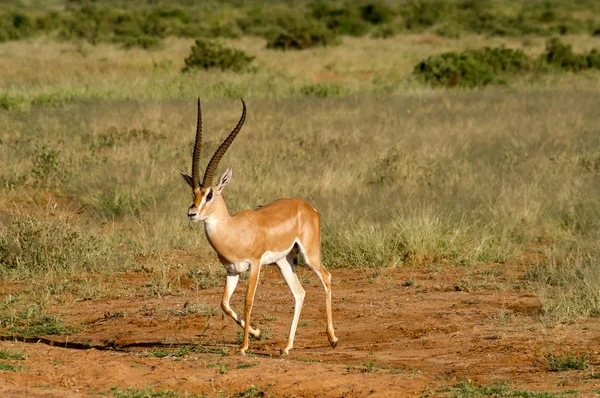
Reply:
x=214, y=161
x=197, y=150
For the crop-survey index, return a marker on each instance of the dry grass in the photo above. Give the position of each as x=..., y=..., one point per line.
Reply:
x=45, y=72
x=402, y=174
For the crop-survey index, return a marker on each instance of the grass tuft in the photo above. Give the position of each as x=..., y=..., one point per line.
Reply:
x=566, y=362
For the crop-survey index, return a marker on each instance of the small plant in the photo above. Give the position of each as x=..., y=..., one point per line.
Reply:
x=322, y=90
x=369, y=367
x=46, y=162
x=562, y=363
x=246, y=365
x=221, y=368
x=210, y=54
x=8, y=367
x=251, y=392
x=11, y=355
x=158, y=353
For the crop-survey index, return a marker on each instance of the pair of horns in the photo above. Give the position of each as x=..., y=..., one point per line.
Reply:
x=209, y=173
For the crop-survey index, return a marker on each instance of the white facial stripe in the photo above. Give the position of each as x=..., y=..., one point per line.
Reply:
x=203, y=202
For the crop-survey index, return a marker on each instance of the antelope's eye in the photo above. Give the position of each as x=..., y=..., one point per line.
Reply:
x=209, y=196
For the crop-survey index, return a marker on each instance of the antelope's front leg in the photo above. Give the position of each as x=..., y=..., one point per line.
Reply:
x=250, y=293
x=230, y=284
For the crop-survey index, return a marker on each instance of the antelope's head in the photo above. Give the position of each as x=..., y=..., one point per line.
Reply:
x=206, y=196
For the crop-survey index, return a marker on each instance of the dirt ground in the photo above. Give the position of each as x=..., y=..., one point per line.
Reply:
x=402, y=332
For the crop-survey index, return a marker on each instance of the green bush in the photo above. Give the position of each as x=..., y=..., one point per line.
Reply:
x=301, y=34
x=472, y=68
x=210, y=54
x=15, y=26
x=376, y=13
x=341, y=20
x=561, y=56
x=421, y=14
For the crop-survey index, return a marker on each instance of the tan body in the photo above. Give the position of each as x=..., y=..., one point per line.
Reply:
x=271, y=234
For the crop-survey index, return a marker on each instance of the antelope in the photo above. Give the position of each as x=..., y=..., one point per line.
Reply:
x=270, y=234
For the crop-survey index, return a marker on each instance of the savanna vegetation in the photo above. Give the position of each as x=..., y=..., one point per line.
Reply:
x=379, y=118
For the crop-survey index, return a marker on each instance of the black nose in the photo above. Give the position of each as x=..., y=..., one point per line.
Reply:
x=191, y=214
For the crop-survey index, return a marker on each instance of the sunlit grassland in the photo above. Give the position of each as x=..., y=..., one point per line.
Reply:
x=43, y=71
x=403, y=175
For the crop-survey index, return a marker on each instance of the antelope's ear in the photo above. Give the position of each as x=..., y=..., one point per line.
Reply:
x=224, y=180
x=187, y=179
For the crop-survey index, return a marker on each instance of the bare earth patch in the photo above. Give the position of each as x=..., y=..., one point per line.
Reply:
x=403, y=332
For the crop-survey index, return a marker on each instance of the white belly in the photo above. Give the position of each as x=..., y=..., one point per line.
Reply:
x=272, y=257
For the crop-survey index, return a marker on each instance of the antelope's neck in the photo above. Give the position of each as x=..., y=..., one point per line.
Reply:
x=218, y=221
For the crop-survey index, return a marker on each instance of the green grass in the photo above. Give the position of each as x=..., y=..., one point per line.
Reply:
x=11, y=355
x=498, y=389
x=222, y=368
x=5, y=367
x=566, y=362
x=42, y=326
x=252, y=392
x=246, y=365
x=148, y=393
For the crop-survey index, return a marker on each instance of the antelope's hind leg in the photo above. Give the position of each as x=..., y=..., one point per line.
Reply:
x=313, y=260
x=287, y=271
x=230, y=284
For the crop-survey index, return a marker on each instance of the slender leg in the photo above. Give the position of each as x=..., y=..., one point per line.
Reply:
x=313, y=259
x=285, y=267
x=250, y=293
x=230, y=284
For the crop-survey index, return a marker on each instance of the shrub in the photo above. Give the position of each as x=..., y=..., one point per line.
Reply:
x=472, y=68
x=210, y=54
x=561, y=56
x=46, y=163
x=15, y=26
x=300, y=35
x=421, y=14
x=341, y=20
x=375, y=13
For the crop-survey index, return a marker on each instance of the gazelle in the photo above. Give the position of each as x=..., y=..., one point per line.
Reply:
x=270, y=234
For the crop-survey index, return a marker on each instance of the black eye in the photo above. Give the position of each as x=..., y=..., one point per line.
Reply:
x=209, y=196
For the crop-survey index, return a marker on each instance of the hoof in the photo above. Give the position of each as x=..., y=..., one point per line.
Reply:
x=257, y=334
x=334, y=343
x=242, y=352
x=284, y=352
